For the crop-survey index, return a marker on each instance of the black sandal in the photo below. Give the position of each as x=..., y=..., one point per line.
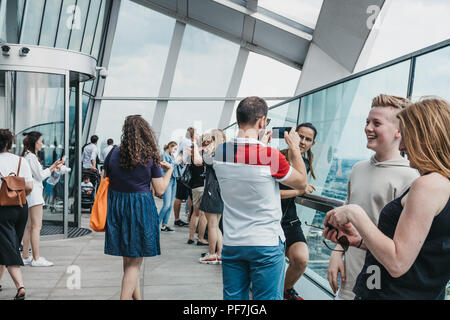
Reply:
x=20, y=297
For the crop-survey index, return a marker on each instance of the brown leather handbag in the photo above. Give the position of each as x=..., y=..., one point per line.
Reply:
x=12, y=191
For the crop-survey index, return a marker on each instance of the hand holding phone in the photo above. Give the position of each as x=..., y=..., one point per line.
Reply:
x=278, y=132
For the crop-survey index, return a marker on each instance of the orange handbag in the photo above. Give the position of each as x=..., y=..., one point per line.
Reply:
x=100, y=207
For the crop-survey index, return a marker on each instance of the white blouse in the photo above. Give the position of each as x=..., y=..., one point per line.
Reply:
x=38, y=173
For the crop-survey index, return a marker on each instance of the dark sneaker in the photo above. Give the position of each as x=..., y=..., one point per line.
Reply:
x=202, y=244
x=291, y=294
x=167, y=229
x=180, y=223
x=190, y=241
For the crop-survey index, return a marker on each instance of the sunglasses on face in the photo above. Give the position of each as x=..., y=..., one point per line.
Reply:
x=342, y=241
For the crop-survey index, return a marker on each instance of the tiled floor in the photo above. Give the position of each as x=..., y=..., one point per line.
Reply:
x=175, y=274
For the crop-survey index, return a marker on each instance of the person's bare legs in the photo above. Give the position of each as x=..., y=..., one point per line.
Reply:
x=32, y=234
x=202, y=223
x=16, y=275
x=193, y=223
x=130, y=281
x=213, y=229
x=176, y=209
x=298, y=256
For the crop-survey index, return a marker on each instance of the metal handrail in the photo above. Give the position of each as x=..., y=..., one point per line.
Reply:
x=320, y=203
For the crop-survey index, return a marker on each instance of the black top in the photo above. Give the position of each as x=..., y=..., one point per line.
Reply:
x=429, y=274
x=288, y=204
x=198, y=174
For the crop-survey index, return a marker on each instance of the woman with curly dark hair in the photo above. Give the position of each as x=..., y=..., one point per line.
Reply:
x=132, y=226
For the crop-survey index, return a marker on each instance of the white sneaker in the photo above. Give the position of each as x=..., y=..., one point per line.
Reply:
x=27, y=261
x=209, y=259
x=41, y=262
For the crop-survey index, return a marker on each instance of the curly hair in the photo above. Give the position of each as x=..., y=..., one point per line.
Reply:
x=138, y=144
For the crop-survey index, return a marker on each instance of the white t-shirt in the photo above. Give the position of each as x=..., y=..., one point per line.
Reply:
x=184, y=143
x=89, y=153
x=106, y=151
x=10, y=162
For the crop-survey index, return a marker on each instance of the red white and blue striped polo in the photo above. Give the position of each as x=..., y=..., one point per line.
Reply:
x=248, y=173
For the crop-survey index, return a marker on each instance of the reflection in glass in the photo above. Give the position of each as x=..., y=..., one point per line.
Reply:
x=432, y=75
x=94, y=11
x=137, y=63
x=50, y=23
x=205, y=65
x=32, y=21
x=101, y=23
x=81, y=15
x=39, y=106
x=67, y=21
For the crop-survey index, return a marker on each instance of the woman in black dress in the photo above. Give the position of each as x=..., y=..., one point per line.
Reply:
x=408, y=254
x=296, y=247
x=13, y=219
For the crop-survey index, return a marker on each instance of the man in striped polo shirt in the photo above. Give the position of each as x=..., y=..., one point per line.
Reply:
x=248, y=173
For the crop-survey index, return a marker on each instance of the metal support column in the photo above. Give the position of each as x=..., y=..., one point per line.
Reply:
x=105, y=63
x=233, y=88
x=66, y=152
x=78, y=144
x=167, y=80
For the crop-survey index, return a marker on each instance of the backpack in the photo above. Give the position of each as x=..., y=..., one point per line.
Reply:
x=12, y=191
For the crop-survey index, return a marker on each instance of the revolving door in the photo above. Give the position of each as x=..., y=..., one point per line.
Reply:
x=44, y=94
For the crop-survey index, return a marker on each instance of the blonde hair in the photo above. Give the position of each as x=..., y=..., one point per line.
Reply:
x=384, y=100
x=218, y=137
x=425, y=130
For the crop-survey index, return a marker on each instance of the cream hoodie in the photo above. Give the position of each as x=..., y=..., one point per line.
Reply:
x=372, y=185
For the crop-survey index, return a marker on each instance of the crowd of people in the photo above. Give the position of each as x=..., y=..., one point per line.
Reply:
x=240, y=197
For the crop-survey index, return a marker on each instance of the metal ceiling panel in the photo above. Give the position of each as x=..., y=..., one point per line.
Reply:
x=280, y=42
x=217, y=16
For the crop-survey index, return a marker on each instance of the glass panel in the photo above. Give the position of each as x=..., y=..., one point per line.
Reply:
x=302, y=11
x=198, y=72
x=81, y=15
x=137, y=63
x=112, y=116
x=4, y=111
x=50, y=23
x=432, y=75
x=91, y=23
x=32, y=21
x=3, y=20
x=283, y=116
x=339, y=114
x=40, y=107
x=202, y=115
x=67, y=21
x=100, y=28
x=265, y=77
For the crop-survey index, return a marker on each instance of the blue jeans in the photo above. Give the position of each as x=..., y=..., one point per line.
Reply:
x=264, y=267
x=169, y=198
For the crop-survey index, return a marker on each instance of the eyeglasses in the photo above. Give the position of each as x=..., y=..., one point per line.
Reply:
x=343, y=241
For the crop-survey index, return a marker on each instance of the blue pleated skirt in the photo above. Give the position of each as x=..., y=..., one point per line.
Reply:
x=132, y=225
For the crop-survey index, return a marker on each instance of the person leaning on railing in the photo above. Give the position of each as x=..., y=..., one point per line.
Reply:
x=408, y=254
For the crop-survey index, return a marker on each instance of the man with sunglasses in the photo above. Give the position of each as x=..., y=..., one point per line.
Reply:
x=248, y=173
